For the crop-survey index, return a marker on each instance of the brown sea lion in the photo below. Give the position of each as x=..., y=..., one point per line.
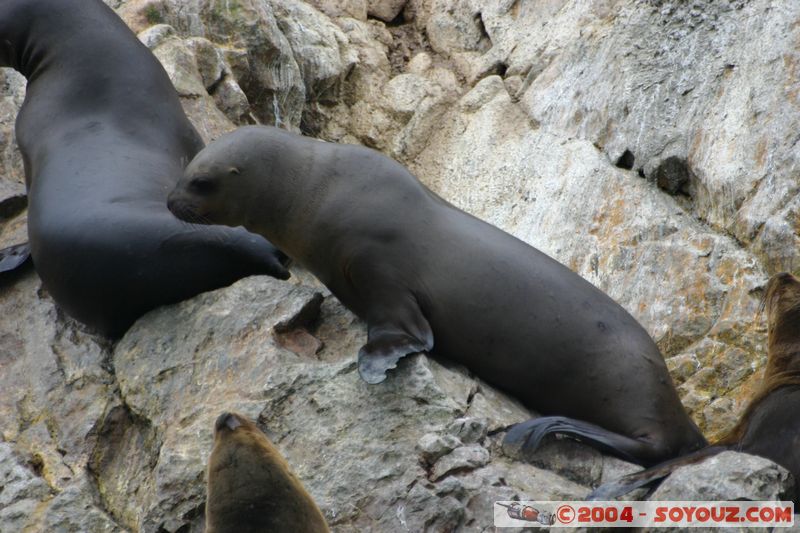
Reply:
x=427, y=276
x=104, y=138
x=770, y=425
x=251, y=488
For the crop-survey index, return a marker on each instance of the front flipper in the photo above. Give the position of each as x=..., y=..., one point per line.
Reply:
x=402, y=332
x=14, y=257
x=528, y=436
x=276, y=264
x=382, y=353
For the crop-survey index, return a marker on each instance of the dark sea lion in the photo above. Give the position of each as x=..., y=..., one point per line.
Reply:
x=770, y=425
x=104, y=139
x=251, y=488
x=418, y=269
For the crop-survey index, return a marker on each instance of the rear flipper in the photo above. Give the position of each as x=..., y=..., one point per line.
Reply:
x=528, y=436
x=14, y=257
x=649, y=476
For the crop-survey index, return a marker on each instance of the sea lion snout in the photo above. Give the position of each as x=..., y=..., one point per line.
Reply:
x=251, y=487
x=227, y=421
x=184, y=209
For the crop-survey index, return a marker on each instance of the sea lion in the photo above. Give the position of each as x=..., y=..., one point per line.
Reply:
x=104, y=139
x=426, y=276
x=251, y=488
x=770, y=425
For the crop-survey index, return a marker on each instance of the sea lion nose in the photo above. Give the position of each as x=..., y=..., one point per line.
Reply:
x=226, y=420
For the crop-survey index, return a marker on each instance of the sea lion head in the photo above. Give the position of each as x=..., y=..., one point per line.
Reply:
x=244, y=178
x=250, y=485
x=782, y=301
x=208, y=192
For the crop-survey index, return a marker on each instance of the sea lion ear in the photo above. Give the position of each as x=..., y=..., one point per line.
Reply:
x=233, y=170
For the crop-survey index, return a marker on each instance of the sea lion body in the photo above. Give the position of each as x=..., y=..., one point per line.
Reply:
x=773, y=432
x=104, y=139
x=428, y=276
x=770, y=425
x=251, y=488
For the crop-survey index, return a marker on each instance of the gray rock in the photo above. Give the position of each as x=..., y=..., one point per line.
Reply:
x=180, y=63
x=356, y=9
x=386, y=10
x=210, y=61
x=12, y=177
x=56, y=386
x=272, y=81
x=455, y=26
x=18, y=480
x=319, y=47
x=155, y=35
x=231, y=100
x=461, y=459
x=728, y=476
x=469, y=430
x=75, y=509
x=431, y=447
x=703, y=81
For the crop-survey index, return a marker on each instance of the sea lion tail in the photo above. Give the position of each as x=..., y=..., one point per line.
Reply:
x=650, y=476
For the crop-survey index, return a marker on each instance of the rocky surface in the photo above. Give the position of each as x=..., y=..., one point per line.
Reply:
x=650, y=146
x=744, y=477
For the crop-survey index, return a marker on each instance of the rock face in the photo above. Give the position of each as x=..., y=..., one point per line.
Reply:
x=649, y=146
x=725, y=476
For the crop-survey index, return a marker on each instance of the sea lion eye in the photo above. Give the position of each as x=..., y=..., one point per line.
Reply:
x=203, y=185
